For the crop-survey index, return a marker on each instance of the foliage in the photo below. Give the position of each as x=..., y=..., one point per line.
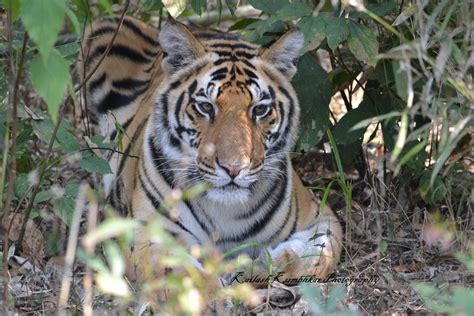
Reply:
x=319, y=304
x=454, y=301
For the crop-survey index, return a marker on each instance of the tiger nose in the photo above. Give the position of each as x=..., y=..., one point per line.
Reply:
x=233, y=169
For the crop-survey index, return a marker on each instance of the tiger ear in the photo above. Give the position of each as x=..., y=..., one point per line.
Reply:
x=284, y=53
x=179, y=46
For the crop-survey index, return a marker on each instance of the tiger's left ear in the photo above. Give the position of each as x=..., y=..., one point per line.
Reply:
x=180, y=46
x=284, y=53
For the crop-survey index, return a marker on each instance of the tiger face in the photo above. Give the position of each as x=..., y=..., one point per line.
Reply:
x=229, y=109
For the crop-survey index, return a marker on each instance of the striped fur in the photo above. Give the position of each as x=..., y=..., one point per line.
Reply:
x=207, y=108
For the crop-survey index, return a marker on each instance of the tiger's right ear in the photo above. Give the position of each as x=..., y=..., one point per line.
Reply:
x=179, y=45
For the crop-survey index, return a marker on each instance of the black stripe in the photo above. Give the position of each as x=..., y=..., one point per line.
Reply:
x=157, y=205
x=124, y=127
x=297, y=210
x=278, y=231
x=220, y=71
x=130, y=145
x=192, y=88
x=269, y=74
x=129, y=83
x=101, y=31
x=245, y=61
x=177, y=110
x=120, y=51
x=224, y=36
x=161, y=164
x=219, y=77
x=264, y=199
x=201, y=224
x=135, y=29
x=260, y=223
x=235, y=53
x=115, y=100
x=97, y=83
x=281, y=143
x=150, y=53
x=232, y=46
x=282, y=114
x=250, y=73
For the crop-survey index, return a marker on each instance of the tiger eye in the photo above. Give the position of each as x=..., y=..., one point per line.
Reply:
x=260, y=110
x=206, y=107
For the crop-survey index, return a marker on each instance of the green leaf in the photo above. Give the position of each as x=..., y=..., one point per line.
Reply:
x=313, y=30
x=242, y=24
x=43, y=20
x=268, y=6
x=363, y=43
x=197, y=6
x=343, y=132
x=314, y=93
x=336, y=30
x=92, y=163
x=401, y=79
x=175, y=7
x=293, y=11
x=336, y=294
x=50, y=77
x=72, y=189
x=232, y=6
x=383, y=247
x=21, y=185
x=459, y=130
x=432, y=194
x=64, y=208
x=74, y=21
x=107, y=6
x=15, y=5
x=43, y=196
x=115, y=258
x=263, y=32
x=313, y=295
x=68, y=141
x=462, y=298
x=110, y=228
x=64, y=138
x=379, y=9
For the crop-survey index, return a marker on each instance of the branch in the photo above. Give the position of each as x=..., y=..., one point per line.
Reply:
x=12, y=169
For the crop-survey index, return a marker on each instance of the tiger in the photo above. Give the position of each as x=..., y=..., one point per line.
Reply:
x=206, y=108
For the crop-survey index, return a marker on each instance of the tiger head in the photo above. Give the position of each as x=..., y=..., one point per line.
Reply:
x=228, y=108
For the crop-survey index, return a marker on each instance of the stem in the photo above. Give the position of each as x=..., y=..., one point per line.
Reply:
x=4, y=163
x=13, y=96
x=71, y=249
x=382, y=22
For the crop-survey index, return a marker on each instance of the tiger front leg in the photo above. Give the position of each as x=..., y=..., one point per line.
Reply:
x=313, y=252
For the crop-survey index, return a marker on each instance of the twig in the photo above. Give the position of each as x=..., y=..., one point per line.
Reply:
x=71, y=248
x=12, y=169
x=45, y=163
x=91, y=223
